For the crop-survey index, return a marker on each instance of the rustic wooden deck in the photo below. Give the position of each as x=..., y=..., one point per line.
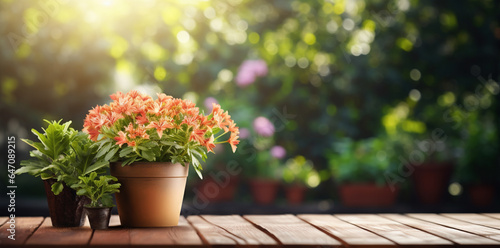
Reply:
x=308, y=230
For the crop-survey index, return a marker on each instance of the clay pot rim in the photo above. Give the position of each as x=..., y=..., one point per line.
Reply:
x=149, y=170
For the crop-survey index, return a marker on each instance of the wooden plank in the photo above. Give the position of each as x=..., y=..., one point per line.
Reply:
x=48, y=236
x=454, y=235
x=24, y=227
x=460, y=225
x=239, y=227
x=349, y=234
x=114, y=236
x=180, y=235
x=496, y=216
x=212, y=234
x=3, y=219
x=290, y=230
x=399, y=233
x=476, y=219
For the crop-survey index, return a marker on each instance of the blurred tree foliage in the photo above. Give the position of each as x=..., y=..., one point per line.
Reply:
x=342, y=68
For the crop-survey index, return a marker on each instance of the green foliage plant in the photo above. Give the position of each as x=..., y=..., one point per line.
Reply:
x=62, y=154
x=98, y=190
x=479, y=160
x=361, y=161
x=300, y=171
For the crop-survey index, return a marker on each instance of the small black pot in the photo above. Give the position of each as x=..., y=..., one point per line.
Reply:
x=99, y=217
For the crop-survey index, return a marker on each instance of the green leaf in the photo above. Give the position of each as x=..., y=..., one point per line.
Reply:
x=46, y=176
x=37, y=145
x=126, y=151
x=81, y=192
x=111, y=153
x=57, y=188
x=96, y=166
x=148, y=155
x=104, y=150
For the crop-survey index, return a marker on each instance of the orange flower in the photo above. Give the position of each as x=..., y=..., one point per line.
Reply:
x=121, y=139
x=233, y=141
x=141, y=119
x=136, y=132
x=209, y=144
x=160, y=125
x=117, y=95
x=163, y=98
x=198, y=135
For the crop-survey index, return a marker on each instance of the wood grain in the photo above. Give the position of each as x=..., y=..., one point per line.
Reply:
x=114, y=236
x=460, y=225
x=454, y=235
x=476, y=219
x=180, y=235
x=212, y=234
x=290, y=230
x=48, y=236
x=3, y=219
x=24, y=227
x=496, y=216
x=397, y=232
x=349, y=234
x=240, y=228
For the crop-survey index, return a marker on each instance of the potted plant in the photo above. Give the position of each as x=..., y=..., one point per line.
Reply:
x=479, y=166
x=99, y=191
x=61, y=156
x=359, y=167
x=299, y=174
x=150, y=143
x=264, y=182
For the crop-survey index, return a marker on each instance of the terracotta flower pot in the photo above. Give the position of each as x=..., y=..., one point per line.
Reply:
x=216, y=191
x=151, y=193
x=264, y=190
x=367, y=195
x=66, y=209
x=99, y=217
x=431, y=181
x=481, y=194
x=295, y=193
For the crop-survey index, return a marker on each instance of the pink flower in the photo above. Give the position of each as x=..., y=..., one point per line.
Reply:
x=249, y=71
x=263, y=126
x=244, y=133
x=209, y=101
x=278, y=152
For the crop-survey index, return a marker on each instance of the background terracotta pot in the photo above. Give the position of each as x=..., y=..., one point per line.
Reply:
x=66, y=209
x=367, y=195
x=482, y=194
x=264, y=190
x=151, y=193
x=216, y=191
x=431, y=181
x=295, y=193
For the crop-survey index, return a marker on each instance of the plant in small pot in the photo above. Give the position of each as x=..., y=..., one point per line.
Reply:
x=432, y=177
x=479, y=167
x=360, y=168
x=99, y=191
x=264, y=181
x=299, y=175
x=150, y=142
x=61, y=156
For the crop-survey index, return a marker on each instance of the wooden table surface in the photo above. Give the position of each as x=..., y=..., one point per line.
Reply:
x=308, y=230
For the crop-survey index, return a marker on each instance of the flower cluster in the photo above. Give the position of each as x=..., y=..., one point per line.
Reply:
x=249, y=71
x=158, y=130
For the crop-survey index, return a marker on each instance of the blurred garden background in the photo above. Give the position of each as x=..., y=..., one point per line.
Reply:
x=327, y=94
